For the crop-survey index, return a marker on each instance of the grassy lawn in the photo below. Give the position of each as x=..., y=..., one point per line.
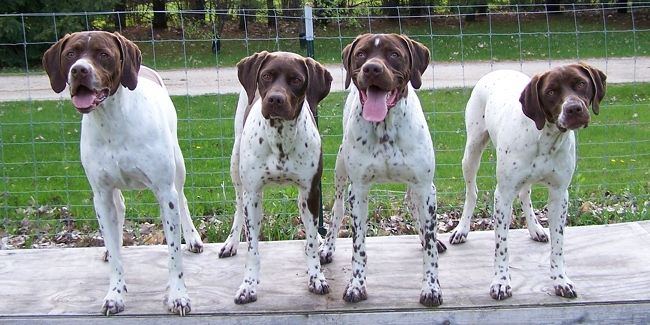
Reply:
x=41, y=171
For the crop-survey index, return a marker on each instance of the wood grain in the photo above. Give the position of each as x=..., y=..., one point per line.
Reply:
x=610, y=266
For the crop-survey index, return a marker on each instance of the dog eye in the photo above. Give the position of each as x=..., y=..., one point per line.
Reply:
x=296, y=81
x=71, y=55
x=550, y=92
x=267, y=77
x=103, y=55
x=394, y=55
x=581, y=85
x=361, y=55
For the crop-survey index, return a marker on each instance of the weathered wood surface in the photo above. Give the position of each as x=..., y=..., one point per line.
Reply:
x=609, y=264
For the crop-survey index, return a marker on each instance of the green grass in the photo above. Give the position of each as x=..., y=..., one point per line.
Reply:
x=39, y=158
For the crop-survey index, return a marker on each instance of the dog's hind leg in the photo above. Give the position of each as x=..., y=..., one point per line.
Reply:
x=535, y=229
x=328, y=247
x=192, y=237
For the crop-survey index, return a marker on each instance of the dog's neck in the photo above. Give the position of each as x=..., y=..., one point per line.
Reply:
x=551, y=139
x=282, y=135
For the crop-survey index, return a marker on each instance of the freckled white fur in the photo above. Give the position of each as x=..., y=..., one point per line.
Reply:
x=525, y=155
x=257, y=161
x=378, y=153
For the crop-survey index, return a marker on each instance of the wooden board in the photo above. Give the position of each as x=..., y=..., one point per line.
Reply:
x=609, y=264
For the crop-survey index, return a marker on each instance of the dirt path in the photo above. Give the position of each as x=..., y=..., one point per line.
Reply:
x=439, y=75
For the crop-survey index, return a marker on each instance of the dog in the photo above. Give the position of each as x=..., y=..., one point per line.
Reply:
x=531, y=122
x=277, y=141
x=381, y=119
x=128, y=141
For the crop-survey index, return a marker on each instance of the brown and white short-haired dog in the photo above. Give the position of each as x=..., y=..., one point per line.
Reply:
x=531, y=122
x=128, y=141
x=385, y=139
x=277, y=141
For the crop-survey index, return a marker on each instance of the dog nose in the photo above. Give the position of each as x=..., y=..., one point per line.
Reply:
x=79, y=71
x=373, y=68
x=275, y=99
x=574, y=108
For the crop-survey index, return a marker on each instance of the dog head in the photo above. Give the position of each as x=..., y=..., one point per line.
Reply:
x=562, y=96
x=94, y=64
x=284, y=81
x=381, y=66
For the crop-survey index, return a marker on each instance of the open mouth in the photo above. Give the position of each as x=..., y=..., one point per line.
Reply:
x=85, y=99
x=375, y=103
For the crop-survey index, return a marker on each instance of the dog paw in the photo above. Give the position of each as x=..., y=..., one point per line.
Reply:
x=431, y=297
x=440, y=246
x=326, y=256
x=355, y=293
x=245, y=294
x=500, y=290
x=538, y=235
x=228, y=250
x=178, y=305
x=318, y=286
x=458, y=237
x=113, y=304
x=566, y=290
x=195, y=246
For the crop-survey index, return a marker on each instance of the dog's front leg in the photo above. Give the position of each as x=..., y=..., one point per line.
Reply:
x=424, y=201
x=247, y=291
x=356, y=289
x=328, y=247
x=111, y=229
x=317, y=282
x=177, y=299
x=557, y=214
x=500, y=288
x=231, y=244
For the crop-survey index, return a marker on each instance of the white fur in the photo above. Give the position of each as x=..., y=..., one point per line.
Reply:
x=525, y=155
x=130, y=142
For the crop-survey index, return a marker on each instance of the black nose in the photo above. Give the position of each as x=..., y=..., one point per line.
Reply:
x=79, y=72
x=372, y=68
x=275, y=99
x=574, y=109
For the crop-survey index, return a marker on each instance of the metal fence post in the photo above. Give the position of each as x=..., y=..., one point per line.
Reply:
x=309, y=38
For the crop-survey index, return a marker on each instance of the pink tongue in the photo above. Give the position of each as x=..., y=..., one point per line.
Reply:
x=83, y=99
x=375, y=108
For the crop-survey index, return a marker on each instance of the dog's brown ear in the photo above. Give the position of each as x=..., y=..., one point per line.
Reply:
x=419, y=56
x=346, y=56
x=530, y=103
x=247, y=72
x=599, y=84
x=131, y=61
x=52, y=65
x=319, y=82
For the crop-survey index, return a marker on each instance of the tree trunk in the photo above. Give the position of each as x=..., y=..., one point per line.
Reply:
x=199, y=7
x=119, y=19
x=390, y=7
x=271, y=15
x=159, y=15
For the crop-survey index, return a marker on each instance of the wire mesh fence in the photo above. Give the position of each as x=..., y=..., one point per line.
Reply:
x=46, y=199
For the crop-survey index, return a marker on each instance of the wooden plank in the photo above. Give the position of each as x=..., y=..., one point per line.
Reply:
x=609, y=265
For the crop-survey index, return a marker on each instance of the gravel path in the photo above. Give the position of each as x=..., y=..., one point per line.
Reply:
x=439, y=75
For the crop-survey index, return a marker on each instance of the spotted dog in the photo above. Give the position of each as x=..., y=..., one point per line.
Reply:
x=531, y=123
x=385, y=139
x=277, y=141
x=128, y=141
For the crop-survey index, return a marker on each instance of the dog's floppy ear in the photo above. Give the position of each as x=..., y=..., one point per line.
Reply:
x=346, y=56
x=419, y=56
x=599, y=84
x=530, y=103
x=52, y=65
x=247, y=71
x=319, y=81
x=131, y=61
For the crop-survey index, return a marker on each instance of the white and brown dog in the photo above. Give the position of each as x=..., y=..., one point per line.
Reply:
x=531, y=123
x=385, y=139
x=277, y=141
x=128, y=141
